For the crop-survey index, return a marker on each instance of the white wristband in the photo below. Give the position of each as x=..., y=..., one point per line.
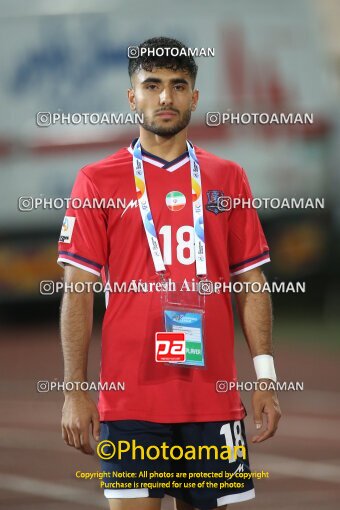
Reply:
x=264, y=367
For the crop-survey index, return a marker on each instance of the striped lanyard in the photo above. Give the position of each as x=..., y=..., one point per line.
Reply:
x=197, y=211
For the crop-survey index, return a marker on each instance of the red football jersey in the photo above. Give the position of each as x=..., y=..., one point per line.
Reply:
x=112, y=239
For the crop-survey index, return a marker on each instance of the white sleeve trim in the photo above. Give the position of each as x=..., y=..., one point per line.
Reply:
x=61, y=261
x=251, y=267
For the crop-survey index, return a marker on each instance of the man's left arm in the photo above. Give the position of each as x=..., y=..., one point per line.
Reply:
x=255, y=314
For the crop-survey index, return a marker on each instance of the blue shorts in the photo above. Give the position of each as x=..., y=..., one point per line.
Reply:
x=177, y=469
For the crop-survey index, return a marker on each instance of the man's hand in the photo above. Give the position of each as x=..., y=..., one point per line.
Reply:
x=265, y=402
x=79, y=412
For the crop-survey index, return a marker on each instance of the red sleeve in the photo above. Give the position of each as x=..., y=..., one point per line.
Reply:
x=248, y=247
x=83, y=239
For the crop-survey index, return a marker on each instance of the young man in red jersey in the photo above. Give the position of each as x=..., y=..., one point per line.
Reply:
x=172, y=229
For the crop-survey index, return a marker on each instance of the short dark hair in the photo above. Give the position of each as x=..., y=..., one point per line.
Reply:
x=184, y=62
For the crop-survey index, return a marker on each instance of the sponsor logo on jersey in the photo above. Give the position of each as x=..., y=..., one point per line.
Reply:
x=131, y=205
x=212, y=205
x=175, y=200
x=67, y=229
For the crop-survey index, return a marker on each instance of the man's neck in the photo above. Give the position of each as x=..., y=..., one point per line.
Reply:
x=165, y=148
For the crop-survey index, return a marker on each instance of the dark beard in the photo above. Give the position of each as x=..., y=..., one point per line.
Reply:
x=166, y=131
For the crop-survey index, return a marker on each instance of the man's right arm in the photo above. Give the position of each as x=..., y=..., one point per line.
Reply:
x=79, y=411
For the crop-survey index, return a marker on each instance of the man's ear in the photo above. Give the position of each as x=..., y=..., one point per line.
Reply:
x=195, y=97
x=131, y=99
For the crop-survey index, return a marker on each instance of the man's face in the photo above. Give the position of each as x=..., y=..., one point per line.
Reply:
x=165, y=98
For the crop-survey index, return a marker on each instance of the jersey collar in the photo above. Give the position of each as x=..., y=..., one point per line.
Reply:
x=170, y=166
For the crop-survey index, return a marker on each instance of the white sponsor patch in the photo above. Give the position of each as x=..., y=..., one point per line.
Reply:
x=67, y=229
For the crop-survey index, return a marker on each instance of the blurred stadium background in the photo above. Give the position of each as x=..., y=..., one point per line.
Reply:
x=271, y=56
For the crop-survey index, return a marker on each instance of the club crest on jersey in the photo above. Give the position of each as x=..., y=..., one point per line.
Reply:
x=212, y=205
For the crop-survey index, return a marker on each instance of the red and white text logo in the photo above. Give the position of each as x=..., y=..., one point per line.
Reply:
x=170, y=346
